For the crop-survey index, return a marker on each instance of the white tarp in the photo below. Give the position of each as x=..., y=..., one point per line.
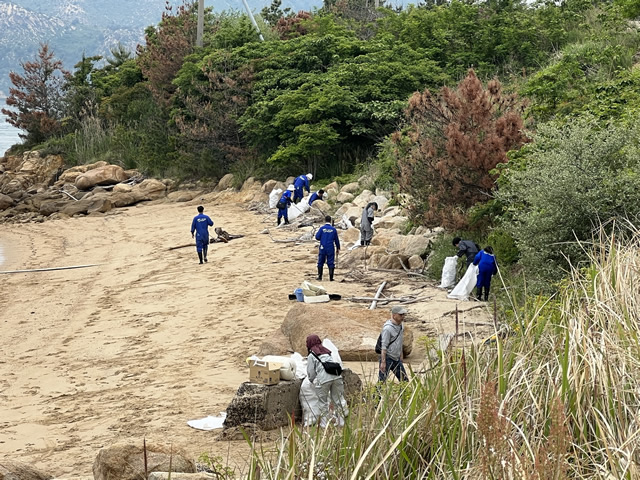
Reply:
x=465, y=286
x=208, y=423
x=449, y=272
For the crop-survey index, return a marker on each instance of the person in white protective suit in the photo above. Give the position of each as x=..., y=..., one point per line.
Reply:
x=328, y=387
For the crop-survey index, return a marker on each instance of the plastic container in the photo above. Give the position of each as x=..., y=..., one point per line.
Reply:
x=299, y=294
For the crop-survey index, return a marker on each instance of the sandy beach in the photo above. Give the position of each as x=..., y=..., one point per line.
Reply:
x=148, y=339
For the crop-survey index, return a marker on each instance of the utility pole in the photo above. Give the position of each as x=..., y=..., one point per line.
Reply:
x=253, y=20
x=200, y=23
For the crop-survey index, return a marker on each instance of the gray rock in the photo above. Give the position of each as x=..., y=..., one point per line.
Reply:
x=5, y=201
x=10, y=470
x=350, y=188
x=124, y=461
x=344, y=197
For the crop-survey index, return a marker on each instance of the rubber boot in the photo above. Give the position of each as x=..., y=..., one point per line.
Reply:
x=278, y=221
x=319, y=277
x=362, y=243
x=204, y=253
x=479, y=294
x=486, y=294
x=331, y=269
x=200, y=257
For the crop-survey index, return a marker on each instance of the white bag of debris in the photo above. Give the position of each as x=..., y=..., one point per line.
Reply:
x=309, y=402
x=311, y=290
x=301, y=365
x=465, y=286
x=274, y=196
x=297, y=209
x=449, y=272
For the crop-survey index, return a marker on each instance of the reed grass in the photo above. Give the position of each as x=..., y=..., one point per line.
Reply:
x=558, y=398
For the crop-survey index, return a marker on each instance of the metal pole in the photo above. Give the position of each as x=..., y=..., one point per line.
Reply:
x=253, y=20
x=200, y=23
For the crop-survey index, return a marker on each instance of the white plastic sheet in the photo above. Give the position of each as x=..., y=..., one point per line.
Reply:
x=465, y=286
x=449, y=272
x=208, y=423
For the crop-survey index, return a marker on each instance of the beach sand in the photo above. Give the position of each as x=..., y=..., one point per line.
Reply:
x=135, y=347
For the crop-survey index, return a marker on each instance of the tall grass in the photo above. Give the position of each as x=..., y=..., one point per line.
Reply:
x=559, y=398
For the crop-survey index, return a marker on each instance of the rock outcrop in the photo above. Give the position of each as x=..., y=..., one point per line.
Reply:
x=125, y=461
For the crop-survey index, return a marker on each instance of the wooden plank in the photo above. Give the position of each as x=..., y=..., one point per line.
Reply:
x=377, y=295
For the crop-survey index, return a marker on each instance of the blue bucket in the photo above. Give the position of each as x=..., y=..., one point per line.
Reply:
x=299, y=294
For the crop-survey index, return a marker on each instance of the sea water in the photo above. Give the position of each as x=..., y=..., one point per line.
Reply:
x=9, y=135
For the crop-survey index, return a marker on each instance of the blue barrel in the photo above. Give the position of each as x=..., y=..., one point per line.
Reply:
x=299, y=294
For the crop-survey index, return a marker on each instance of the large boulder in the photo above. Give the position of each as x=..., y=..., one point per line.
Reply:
x=107, y=175
x=397, y=223
x=344, y=197
x=353, y=330
x=182, y=195
x=357, y=257
x=124, y=461
x=350, y=188
x=52, y=206
x=409, y=245
x=149, y=189
x=5, y=201
x=364, y=198
x=41, y=170
x=10, y=470
x=225, y=182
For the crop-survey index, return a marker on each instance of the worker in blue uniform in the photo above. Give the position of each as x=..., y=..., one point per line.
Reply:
x=300, y=183
x=328, y=236
x=487, y=267
x=283, y=205
x=316, y=196
x=200, y=231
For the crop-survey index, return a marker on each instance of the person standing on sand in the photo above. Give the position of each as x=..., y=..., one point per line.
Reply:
x=366, y=223
x=391, y=355
x=200, y=231
x=328, y=236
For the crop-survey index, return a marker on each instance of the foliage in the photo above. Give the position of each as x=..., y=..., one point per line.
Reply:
x=555, y=399
x=452, y=143
x=571, y=179
x=37, y=97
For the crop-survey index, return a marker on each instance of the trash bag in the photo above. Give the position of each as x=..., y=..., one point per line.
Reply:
x=465, y=286
x=297, y=209
x=449, y=272
x=274, y=196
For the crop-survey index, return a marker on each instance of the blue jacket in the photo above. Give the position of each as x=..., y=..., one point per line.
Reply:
x=314, y=196
x=486, y=262
x=302, y=182
x=328, y=235
x=201, y=224
x=286, y=197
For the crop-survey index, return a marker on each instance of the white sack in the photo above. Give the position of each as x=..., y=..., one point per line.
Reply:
x=449, y=272
x=309, y=402
x=274, y=196
x=465, y=286
x=301, y=365
x=297, y=209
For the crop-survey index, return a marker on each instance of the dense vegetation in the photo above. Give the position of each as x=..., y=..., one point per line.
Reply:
x=509, y=121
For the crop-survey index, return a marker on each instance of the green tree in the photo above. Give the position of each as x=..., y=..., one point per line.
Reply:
x=563, y=185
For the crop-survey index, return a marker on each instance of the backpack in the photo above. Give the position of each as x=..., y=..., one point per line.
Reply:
x=379, y=341
x=281, y=205
x=332, y=368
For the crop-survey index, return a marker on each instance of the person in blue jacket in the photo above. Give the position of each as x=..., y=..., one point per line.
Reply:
x=328, y=236
x=487, y=267
x=200, y=231
x=316, y=196
x=302, y=182
x=283, y=205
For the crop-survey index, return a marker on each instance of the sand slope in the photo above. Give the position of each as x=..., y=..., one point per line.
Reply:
x=149, y=339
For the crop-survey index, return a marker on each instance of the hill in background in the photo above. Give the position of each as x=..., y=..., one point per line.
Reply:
x=72, y=27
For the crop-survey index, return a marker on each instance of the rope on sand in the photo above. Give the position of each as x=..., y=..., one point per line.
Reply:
x=50, y=269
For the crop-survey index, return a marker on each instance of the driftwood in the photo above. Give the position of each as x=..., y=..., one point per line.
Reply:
x=50, y=269
x=384, y=301
x=389, y=270
x=377, y=295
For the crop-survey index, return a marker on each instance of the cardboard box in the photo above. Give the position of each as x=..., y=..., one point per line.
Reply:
x=265, y=373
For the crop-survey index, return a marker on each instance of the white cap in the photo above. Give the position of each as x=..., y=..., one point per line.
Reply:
x=309, y=176
x=291, y=188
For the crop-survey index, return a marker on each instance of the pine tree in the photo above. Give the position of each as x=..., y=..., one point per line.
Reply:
x=37, y=97
x=454, y=141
